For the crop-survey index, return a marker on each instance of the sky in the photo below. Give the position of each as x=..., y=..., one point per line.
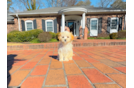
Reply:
x=17, y=6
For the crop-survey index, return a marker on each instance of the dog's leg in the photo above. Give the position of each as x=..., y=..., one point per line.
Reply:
x=66, y=58
x=61, y=57
x=70, y=55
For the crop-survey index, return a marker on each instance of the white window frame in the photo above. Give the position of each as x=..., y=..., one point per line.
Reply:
x=94, y=19
x=26, y=24
x=52, y=24
x=117, y=23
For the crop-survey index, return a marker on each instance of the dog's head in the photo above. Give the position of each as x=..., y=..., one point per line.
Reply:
x=65, y=37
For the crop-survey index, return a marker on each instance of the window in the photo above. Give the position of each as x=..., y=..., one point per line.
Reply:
x=29, y=25
x=94, y=24
x=49, y=25
x=114, y=23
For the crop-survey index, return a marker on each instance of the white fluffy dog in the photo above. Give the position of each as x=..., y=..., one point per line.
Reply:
x=65, y=51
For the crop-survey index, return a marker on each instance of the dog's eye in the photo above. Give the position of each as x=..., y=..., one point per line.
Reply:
x=67, y=36
x=62, y=36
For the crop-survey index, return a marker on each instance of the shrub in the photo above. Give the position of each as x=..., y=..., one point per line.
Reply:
x=113, y=36
x=14, y=31
x=103, y=35
x=14, y=37
x=24, y=36
x=44, y=37
x=53, y=35
x=57, y=36
x=122, y=34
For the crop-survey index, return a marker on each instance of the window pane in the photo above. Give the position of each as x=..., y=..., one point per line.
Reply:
x=29, y=29
x=93, y=24
x=49, y=28
x=29, y=26
x=49, y=24
x=114, y=24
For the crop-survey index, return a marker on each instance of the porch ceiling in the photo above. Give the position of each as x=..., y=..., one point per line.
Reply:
x=78, y=10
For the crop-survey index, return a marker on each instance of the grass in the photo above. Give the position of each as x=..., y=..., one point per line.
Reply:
x=99, y=38
x=53, y=40
x=103, y=38
x=121, y=38
x=37, y=41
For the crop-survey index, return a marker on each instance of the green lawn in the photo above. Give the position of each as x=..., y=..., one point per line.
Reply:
x=103, y=38
x=37, y=41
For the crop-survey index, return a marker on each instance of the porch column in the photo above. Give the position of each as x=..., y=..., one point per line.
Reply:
x=63, y=22
x=83, y=23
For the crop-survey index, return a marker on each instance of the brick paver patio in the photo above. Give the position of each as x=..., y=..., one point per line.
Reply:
x=91, y=67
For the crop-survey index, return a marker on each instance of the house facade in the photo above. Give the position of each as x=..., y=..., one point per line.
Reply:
x=97, y=20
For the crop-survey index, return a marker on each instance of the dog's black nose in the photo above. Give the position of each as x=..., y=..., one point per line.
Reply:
x=65, y=39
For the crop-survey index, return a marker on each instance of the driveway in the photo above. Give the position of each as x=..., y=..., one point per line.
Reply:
x=91, y=67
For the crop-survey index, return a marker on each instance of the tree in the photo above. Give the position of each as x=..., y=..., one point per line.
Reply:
x=30, y=4
x=119, y=4
x=9, y=3
x=105, y=3
x=85, y=3
x=61, y=3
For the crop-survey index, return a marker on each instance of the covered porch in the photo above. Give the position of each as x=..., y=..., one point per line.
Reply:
x=73, y=18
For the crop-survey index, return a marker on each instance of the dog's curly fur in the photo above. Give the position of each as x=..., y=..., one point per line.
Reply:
x=65, y=51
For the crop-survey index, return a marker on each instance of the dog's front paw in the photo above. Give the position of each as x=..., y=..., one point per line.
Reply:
x=61, y=60
x=70, y=58
x=66, y=60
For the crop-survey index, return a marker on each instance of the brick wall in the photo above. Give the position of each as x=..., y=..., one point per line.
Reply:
x=38, y=21
x=12, y=26
x=104, y=19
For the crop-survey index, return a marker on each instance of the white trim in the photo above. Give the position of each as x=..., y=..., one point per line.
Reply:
x=63, y=22
x=52, y=24
x=26, y=24
x=34, y=13
x=83, y=20
x=106, y=10
x=91, y=25
x=111, y=24
x=18, y=21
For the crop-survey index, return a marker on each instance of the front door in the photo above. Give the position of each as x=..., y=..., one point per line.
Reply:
x=72, y=27
x=94, y=27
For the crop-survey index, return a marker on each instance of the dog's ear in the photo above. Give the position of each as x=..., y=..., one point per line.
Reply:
x=72, y=36
x=59, y=36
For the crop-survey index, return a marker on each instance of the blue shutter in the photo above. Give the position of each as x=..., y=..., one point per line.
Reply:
x=99, y=25
x=55, y=25
x=23, y=25
x=35, y=24
x=43, y=25
x=120, y=24
x=88, y=25
x=108, y=24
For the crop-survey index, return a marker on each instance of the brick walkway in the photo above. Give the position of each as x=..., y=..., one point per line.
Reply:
x=91, y=67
